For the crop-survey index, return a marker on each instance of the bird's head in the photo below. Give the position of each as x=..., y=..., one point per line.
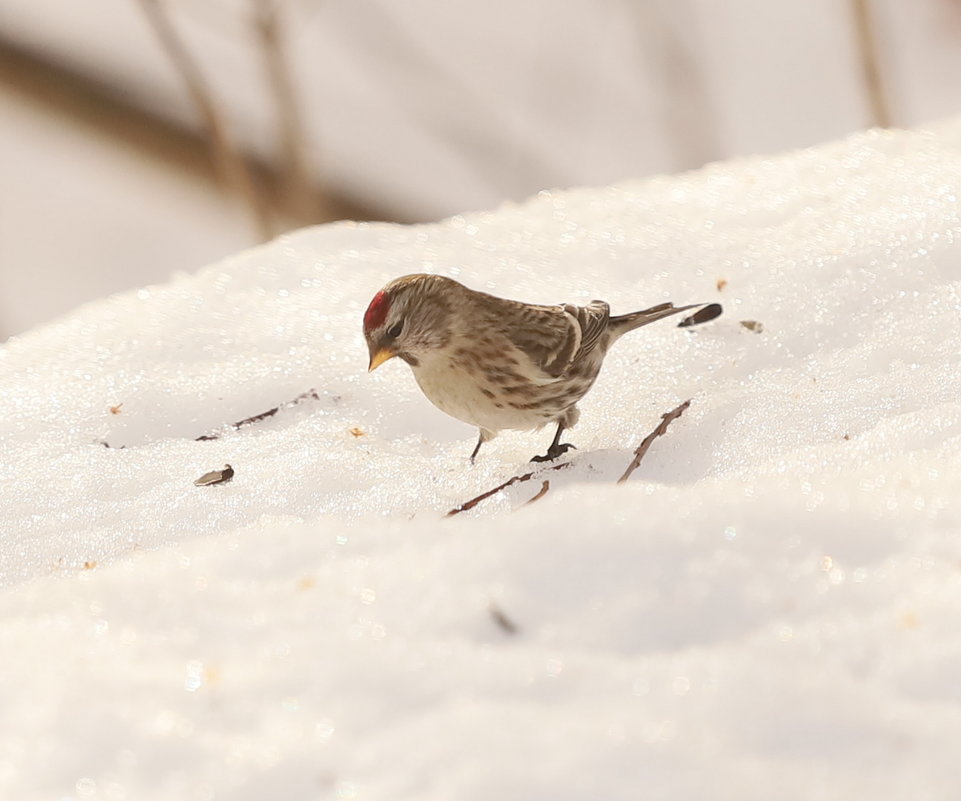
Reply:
x=408, y=318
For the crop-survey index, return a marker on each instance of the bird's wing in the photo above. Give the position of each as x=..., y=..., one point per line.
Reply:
x=592, y=320
x=555, y=337
x=548, y=336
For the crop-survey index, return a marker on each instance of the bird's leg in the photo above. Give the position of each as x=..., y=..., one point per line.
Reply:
x=480, y=441
x=556, y=448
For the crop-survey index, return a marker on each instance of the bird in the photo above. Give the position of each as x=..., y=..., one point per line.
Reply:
x=495, y=363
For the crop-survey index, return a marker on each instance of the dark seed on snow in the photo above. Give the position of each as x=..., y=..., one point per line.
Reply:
x=702, y=315
x=215, y=477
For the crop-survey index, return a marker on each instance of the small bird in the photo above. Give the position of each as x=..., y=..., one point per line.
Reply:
x=495, y=363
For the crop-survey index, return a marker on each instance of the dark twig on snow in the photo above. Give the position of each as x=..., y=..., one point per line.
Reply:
x=540, y=493
x=309, y=394
x=514, y=480
x=640, y=451
x=666, y=420
x=245, y=422
x=498, y=615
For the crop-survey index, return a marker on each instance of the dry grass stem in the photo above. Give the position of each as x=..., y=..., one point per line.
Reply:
x=870, y=66
x=230, y=163
x=540, y=493
x=641, y=450
x=514, y=480
x=302, y=199
x=310, y=394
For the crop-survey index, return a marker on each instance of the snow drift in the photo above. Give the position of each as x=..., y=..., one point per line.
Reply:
x=767, y=609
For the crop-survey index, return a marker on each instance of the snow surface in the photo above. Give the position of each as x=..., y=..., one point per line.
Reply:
x=768, y=609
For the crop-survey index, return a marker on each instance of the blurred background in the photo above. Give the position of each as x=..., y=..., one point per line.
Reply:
x=143, y=137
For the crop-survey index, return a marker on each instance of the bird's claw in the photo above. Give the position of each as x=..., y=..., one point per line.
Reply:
x=554, y=452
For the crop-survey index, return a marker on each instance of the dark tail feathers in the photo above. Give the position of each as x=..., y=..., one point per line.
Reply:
x=628, y=322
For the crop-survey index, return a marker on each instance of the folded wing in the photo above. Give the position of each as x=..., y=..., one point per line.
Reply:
x=555, y=337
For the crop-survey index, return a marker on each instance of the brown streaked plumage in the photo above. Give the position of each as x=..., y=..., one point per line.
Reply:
x=497, y=363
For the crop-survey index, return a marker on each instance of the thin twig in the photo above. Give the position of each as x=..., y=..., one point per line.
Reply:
x=540, y=493
x=870, y=66
x=310, y=394
x=666, y=420
x=229, y=162
x=514, y=480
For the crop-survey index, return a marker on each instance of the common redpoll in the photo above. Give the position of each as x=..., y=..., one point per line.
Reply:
x=495, y=363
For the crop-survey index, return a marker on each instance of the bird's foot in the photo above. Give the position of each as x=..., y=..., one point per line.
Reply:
x=554, y=452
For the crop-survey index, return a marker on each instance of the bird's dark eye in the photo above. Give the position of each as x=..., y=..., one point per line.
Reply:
x=394, y=331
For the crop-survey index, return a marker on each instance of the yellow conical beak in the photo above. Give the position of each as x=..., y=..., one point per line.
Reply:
x=377, y=359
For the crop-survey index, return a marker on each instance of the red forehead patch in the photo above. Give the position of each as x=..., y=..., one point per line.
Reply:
x=377, y=311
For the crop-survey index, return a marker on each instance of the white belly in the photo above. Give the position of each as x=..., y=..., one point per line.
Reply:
x=458, y=393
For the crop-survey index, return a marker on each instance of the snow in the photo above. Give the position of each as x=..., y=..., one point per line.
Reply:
x=767, y=609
